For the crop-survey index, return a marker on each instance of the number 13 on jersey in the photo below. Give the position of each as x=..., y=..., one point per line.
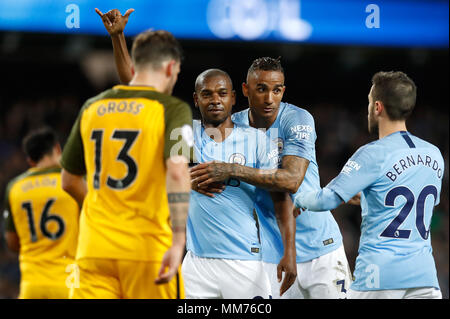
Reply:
x=129, y=137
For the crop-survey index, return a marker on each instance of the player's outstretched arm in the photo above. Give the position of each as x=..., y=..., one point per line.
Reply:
x=346, y=187
x=178, y=192
x=287, y=179
x=323, y=200
x=115, y=23
x=286, y=223
x=74, y=185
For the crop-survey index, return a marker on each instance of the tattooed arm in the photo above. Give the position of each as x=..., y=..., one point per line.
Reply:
x=286, y=179
x=178, y=192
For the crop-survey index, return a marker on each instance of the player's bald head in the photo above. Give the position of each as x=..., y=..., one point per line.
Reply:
x=210, y=73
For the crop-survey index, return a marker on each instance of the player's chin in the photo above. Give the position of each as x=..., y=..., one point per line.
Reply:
x=216, y=118
x=267, y=112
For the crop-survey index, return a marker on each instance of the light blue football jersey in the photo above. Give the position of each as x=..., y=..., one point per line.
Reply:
x=224, y=226
x=400, y=177
x=316, y=234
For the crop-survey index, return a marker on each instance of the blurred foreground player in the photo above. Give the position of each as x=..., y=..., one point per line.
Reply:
x=133, y=144
x=400, y=176
x=42, y=220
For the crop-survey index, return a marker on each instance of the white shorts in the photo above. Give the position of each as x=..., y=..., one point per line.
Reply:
x=411, y=293
x=206, y=278
x=325, y=277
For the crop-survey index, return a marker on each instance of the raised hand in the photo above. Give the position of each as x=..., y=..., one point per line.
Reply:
x=114, y=21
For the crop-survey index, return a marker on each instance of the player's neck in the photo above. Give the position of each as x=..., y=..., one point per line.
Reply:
x=151, y=79
x=220, y=131
x=47, y=162
x=386, y=128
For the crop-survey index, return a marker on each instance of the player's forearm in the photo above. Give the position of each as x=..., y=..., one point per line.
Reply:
x=278, y=180
x=178, y=217
x=286, y=221
x=322, y=200
x=75, y=186
x=178, y=194
x=122, y=58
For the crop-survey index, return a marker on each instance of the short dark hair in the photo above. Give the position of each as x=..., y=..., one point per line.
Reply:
x=266, y=64
x=155, y=47
x=209, y=74
x=397, y=92
x=38, y=143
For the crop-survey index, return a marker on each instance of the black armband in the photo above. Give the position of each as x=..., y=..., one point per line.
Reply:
x=178, y=197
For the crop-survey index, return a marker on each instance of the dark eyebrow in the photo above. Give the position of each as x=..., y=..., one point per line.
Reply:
x=210, y=91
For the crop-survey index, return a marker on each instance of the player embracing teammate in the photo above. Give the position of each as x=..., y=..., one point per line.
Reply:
x=320, y=257
x=259, y=224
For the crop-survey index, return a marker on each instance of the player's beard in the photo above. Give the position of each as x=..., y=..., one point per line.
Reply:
x=216, y=122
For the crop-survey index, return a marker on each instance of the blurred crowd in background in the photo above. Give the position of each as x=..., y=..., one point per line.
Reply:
x=48, y=80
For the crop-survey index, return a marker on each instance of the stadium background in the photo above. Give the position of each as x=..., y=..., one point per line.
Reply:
x=49, y=74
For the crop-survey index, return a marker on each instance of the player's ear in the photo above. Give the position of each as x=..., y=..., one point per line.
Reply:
x=30, y=162
x=195, y=96
x=379, y=107
x=245, y=89
x=170, y=68
x=57, y=149
x=132, y=70
x=233, y=97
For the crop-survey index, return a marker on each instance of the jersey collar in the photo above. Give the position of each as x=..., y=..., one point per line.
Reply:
x=134, y=87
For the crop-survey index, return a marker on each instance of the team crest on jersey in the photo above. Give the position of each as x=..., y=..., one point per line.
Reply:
x=280, y=143
x=237, y=158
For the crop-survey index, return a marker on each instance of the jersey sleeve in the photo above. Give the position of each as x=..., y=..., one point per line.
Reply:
x=300, y=134
x=360, y=171
x=322, y=200
x=179, y=137
x=7, y=214
x=267, y=152
x=72, y=159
